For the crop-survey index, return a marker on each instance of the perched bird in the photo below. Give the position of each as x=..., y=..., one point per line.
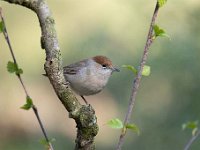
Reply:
x=89, y=76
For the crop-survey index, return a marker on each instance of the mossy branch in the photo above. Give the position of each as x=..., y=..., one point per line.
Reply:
x=53, y=67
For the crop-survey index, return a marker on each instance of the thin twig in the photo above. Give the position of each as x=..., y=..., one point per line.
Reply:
x=192, y=139
x=41, y=126
x=136, y=81
x=21, y=81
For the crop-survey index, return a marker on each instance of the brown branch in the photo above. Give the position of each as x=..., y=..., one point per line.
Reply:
x=192, y=139
x=137, y=80
x=83, y=115
x=21, y=81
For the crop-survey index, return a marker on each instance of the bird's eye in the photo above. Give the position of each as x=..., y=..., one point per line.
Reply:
x=104, y=66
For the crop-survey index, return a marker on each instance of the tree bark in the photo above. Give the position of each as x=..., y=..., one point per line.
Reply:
x=84, y=116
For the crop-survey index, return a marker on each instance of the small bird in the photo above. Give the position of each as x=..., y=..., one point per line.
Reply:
x=89, y=76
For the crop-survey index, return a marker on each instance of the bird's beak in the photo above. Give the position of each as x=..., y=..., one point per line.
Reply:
x=115, y=69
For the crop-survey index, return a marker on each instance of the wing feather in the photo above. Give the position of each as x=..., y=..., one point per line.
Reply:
x=74, y=68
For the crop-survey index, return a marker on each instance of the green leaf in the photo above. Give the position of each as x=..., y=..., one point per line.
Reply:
x=28, y=105
x=25, y=107
x=29, y=100
x=115, y=123
x=194, y=131
x=134, y=128
x=13, y=68
x=161, y=2
x=159, y=32
x=44, y=141
x=19, y=71
x=190, y=125
x=146, y=70
x=132, y=68
x=1, y=26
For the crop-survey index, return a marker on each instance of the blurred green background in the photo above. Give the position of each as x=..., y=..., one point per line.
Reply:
x=115, y=28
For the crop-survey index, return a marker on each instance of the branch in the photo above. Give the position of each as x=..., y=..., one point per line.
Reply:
x=34, y=108
x=193, y=138
x=137, y=80
x=83, y=115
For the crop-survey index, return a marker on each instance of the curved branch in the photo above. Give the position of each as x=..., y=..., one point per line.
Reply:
x=83, y=115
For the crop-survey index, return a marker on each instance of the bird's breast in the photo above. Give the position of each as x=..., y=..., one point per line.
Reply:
x=87, y=82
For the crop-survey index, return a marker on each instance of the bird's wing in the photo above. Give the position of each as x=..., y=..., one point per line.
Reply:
x=74, y=68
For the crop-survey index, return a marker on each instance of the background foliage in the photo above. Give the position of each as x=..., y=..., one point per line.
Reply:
x=167, y=98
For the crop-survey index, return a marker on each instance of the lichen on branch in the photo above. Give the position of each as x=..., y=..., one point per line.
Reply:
x=53, y=67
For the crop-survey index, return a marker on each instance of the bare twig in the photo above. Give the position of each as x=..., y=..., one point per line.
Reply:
x=136, y=81
x=21, y=81
x=192, y=139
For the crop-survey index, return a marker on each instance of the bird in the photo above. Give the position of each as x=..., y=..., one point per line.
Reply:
x=89, y=76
